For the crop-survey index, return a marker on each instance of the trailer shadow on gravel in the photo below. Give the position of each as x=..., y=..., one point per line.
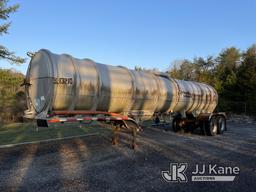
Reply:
x=93, y=164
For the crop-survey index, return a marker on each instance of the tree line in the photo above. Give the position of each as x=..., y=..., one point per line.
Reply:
x=12, y=96
x=232, y=73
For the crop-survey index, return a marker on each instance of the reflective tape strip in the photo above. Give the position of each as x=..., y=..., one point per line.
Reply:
x=87, y=119
x=101, y=119
x=53, y=121
x=63, y=119
x=124, y=118
x=71, y=119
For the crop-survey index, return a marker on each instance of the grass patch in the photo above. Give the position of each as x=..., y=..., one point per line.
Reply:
x=27, y=132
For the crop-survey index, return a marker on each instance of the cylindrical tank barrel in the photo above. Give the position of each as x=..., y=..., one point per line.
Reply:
x=61, y=82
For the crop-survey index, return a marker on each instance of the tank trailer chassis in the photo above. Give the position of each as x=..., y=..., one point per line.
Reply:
x=117, y=121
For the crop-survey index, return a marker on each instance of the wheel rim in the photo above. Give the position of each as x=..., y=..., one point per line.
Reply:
x=221, y=124
x=214, y=126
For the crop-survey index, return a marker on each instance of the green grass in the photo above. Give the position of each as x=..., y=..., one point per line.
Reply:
x=27, y=132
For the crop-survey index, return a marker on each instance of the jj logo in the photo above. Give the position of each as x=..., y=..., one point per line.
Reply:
x=176, y=173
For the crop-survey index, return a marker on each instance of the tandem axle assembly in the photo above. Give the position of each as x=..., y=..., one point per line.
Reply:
x=210, y=124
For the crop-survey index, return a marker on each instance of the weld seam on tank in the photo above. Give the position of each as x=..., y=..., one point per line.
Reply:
x=50, y=92
x=128, y=108
x=53, y=74
x=156, y=79
x=176, y=87
x=208, y=98
x=74, y=84
x=99, y=87
x=198, y=96
x=192, y=106
x=202, y=93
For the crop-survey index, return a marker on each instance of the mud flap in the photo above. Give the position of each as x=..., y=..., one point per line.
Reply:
x=42, y=123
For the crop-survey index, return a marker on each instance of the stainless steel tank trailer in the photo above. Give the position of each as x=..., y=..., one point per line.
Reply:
x=61, y=88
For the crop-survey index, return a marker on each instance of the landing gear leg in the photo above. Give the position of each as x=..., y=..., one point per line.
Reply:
x=115, y=138
x=134, y=135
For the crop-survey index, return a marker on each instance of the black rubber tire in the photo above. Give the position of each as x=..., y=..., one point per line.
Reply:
x=212, y=127
x=203, y=127
x=221, y=121
x=175, y=125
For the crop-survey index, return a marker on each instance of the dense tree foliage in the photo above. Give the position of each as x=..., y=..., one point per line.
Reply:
x=5, y=53
x=12, y=97
x=232, y=73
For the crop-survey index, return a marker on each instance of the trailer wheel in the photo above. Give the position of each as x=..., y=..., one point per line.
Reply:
x=221, y=121
x=212, y=127
x=175, y=124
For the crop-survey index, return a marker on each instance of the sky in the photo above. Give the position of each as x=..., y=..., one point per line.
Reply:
x=146, y=33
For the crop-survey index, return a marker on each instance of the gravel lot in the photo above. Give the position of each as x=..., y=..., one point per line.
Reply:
x=93, y=164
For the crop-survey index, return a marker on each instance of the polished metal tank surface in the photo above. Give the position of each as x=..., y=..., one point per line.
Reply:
x=61, y=82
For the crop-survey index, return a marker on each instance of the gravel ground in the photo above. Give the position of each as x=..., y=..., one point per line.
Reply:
x=93, y=164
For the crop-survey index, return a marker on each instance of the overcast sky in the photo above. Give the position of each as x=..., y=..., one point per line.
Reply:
x=146, y=33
